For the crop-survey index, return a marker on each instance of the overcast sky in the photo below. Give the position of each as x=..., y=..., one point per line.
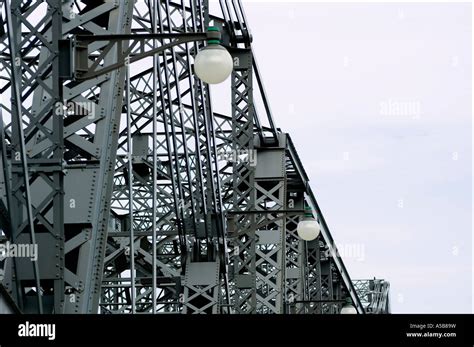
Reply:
x=377, y=98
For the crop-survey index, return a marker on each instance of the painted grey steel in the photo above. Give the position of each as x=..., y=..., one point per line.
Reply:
x=30, y=121
x=20, y=135
x=7, y=303
x=374, y=295
x=143, y=197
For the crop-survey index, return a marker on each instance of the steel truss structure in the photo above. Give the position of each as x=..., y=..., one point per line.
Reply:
x=140, y=197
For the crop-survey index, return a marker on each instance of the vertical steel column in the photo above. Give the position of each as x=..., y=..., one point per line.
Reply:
x=130, y=189
x=243, y=183
x=271, y=198
x=107, y=93
x=17, y=123
x=295, y=256
x=154, y=171
x=313, y=277
x=37, y=177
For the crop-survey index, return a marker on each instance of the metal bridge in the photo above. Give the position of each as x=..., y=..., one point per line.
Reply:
x=114, y=163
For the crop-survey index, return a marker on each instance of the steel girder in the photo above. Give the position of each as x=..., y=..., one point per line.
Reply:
x=33, y=180
x=374, y=295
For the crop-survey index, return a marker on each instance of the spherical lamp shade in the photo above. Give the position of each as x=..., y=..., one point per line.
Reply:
x=348, y=308
x=308, y=229
x=213, y=64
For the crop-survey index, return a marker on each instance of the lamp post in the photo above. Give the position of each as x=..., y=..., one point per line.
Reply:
x=213, y=64
x=308, y=228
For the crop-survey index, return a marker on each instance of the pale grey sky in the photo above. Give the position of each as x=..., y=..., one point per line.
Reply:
x=377, y=98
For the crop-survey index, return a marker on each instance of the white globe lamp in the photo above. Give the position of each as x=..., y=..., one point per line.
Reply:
x=213, y=64
x=348, y=308
x=308, y=228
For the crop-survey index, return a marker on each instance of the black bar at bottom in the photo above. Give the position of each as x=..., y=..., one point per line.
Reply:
x=160, y=329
